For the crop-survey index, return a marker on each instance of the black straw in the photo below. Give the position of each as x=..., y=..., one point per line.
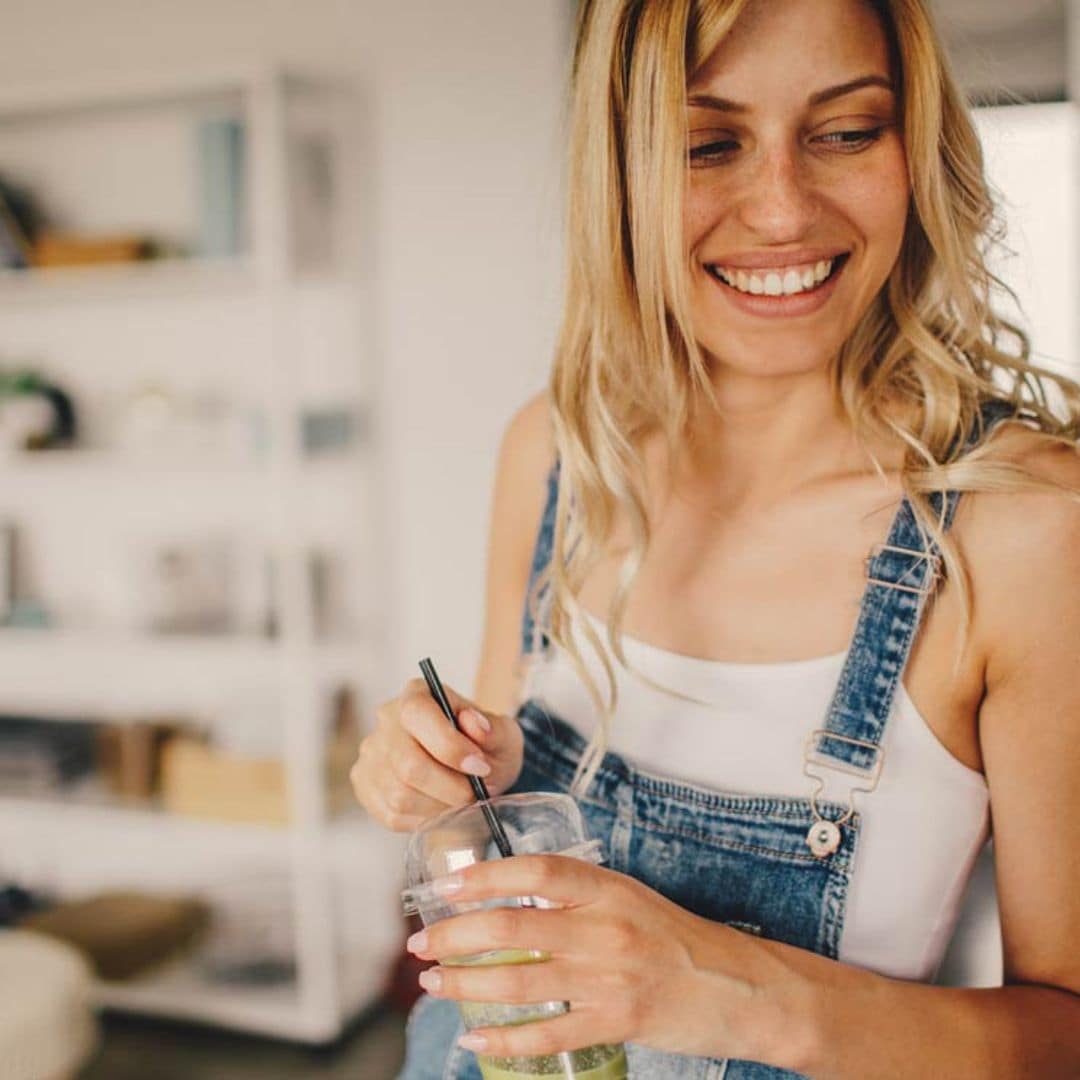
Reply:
x=498, y=833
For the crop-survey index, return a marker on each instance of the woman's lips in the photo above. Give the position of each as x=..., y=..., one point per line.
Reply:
x=802, y=303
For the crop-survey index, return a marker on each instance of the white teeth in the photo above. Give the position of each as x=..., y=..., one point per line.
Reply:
x=779, y=282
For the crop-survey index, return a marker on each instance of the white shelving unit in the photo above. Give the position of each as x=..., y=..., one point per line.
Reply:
x=277, y=328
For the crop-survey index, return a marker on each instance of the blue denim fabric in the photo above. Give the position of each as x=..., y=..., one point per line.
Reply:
x=733, y=858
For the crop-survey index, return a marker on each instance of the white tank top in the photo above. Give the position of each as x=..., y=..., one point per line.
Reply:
x=922, y=828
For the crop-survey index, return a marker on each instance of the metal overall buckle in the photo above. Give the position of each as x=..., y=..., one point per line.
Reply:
x=920, y=590
x=823, y=837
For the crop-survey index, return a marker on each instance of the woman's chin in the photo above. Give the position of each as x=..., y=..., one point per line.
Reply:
x=777, y=362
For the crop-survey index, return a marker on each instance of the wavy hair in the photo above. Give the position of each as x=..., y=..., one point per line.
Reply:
x=627, y=364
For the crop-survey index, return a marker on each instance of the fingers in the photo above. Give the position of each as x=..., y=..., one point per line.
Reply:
x=511, y=929
x=580, y=1027
x=414, y=764
x=397, y=821
x=393, y=800
x=560, y=878
x=505, y=984
x=412, y=767
x=421, y=717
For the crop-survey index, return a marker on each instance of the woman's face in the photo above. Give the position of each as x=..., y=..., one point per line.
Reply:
x=797, y=188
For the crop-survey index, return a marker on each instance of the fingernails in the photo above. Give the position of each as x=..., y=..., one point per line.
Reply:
x=418, y=942
x=473, y=1042
x=447, y=886
x=480, y=720
x=430, y=980
x=476, y=765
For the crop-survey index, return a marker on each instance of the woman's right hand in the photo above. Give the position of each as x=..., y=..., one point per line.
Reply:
x=414, y=764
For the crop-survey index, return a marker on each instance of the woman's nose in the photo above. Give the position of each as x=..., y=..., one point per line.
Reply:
x=778, y=202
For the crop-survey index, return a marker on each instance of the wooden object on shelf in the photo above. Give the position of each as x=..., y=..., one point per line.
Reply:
x=74, y=249
x=341, y=751
x=129, y=757
x=124, y=933
x=200, y=781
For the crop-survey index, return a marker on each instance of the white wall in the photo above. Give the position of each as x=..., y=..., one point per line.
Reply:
x=466, y=117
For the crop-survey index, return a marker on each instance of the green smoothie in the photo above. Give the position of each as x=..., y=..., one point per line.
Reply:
x=612, y=1067
x=591, y=1063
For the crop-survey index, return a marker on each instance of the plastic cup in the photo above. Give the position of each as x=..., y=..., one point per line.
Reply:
x=534, y=824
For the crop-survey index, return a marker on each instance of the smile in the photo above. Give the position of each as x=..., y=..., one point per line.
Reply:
x=780, y=281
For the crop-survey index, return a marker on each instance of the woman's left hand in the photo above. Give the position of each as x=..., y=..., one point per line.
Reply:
x=631, y=964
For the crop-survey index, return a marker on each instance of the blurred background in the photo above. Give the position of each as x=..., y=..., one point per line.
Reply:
x=273, y=277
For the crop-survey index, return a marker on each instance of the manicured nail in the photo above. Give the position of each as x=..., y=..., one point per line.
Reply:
x=418, y=942
x=473, y=1042
x=447, y=886
x=476, y=765
x=430, y=980
x=481, y=721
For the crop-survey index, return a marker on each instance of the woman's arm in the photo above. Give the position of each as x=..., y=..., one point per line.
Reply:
x=1024, y=553
x=525, y=456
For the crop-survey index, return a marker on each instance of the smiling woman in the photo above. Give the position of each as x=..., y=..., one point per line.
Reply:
x=790, y=447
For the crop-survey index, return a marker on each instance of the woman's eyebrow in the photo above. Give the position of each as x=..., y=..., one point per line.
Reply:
x=710, y=101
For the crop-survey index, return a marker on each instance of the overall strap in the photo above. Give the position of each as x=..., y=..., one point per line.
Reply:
x=533, y=638
x=900, y=573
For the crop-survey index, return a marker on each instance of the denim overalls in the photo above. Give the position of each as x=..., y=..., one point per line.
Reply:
x=770, y=865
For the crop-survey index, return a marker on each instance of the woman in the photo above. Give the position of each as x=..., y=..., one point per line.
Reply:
x=778, y=371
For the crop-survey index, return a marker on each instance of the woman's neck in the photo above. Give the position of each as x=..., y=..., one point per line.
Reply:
x=768, y=438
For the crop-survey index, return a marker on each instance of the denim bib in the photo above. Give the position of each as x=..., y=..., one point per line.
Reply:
x=778, y=867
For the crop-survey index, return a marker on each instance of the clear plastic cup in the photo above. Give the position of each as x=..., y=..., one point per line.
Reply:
x=534, y=824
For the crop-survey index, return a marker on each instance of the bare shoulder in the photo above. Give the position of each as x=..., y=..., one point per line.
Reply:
x=528, y=443
x=1023, y=547
x=526, y=454
x=997, y=522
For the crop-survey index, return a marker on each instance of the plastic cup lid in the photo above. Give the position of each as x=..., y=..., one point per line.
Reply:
x=421, y=897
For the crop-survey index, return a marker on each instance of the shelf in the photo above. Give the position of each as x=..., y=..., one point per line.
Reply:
x=138, y=466
x=184, y=277
x=179, y=992
x=79, y=822
x=121, y=467
x=82, y=845
x=272, y=339
x=69, y=672
x=149, y=833
x=43, y=99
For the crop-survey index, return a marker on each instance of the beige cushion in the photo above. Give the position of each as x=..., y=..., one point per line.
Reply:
x=47, y=1026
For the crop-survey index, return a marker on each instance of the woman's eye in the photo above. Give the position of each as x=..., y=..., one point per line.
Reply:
x=851, y=140
x=718, y=151
x=710, y=151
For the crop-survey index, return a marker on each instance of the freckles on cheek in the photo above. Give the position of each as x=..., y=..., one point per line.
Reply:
x=696, y=221
x=878, y=202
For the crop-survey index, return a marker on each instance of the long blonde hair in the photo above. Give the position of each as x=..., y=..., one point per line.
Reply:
x=627, y=364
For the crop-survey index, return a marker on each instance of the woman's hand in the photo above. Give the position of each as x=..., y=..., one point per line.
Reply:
x=413, y=765
x=630, y=963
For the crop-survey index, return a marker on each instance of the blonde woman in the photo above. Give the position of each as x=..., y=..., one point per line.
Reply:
x=791, y=451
